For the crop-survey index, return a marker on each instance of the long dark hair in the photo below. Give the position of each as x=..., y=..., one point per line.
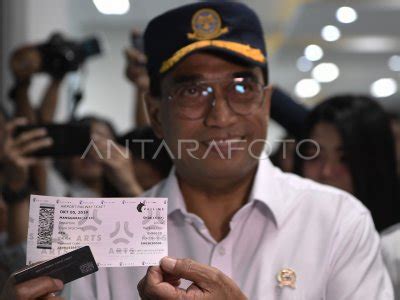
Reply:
x=369, y=150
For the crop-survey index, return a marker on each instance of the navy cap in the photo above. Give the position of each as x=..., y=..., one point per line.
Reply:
x=228, y=27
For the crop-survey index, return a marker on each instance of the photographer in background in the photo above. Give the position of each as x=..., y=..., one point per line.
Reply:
x=16, y=187
x=25, y=62
x=56, y=57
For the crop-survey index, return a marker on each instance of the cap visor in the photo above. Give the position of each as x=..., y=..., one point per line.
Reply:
x=236, y=50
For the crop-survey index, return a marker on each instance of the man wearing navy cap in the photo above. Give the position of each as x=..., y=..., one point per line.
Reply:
x=238, y=227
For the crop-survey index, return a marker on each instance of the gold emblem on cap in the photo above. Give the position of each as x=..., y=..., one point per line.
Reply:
x=287, y=277
x=206, y=25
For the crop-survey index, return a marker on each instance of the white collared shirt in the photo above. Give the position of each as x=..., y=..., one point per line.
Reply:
x=324, y=235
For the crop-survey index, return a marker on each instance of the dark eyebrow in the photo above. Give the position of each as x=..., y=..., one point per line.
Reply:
x=186, y=78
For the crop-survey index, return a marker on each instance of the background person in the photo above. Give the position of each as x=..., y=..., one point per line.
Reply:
x=357, y=154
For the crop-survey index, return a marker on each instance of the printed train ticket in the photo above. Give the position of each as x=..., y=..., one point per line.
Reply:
x=121, y=232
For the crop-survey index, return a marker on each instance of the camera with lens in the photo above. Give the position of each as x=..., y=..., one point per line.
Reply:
x=60, y=56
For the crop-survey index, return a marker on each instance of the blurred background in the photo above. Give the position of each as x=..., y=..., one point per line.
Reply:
x=316, y=48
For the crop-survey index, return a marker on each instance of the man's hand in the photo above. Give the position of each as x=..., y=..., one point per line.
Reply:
x=24, y=62
x=208, y=282
x=42, y=288
x=17, y=150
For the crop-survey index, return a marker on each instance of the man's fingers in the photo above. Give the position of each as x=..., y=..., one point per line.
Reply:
x=201, y=275
x=135, y=56
x=154, y=276
x=147, y=285
x=170, y=278
x=38, y=287
x=36, y=145
x=30, y=135
x=153, y=286
x=136, y=73
x=10, y=126
x=175, y=283
x=30, y=161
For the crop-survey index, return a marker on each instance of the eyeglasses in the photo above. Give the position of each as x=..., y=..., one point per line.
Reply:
x=195, y=100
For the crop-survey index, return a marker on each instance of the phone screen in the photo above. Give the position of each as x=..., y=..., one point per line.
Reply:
x=68, y=139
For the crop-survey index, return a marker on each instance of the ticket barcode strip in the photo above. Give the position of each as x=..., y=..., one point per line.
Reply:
x=46, y=225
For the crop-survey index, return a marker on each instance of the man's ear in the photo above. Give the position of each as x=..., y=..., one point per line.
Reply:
x=153, y=106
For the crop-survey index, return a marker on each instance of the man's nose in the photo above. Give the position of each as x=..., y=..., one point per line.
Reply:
x=220, y=114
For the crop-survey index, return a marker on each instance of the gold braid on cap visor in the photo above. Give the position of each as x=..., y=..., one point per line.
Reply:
x=245, y=50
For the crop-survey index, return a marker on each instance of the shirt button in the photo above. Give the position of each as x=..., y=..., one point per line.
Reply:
x=221, y=251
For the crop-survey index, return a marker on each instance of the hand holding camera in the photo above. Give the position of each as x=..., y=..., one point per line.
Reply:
x=55, y=57
x=17, y=150
x=136, y=62
x=25, y=62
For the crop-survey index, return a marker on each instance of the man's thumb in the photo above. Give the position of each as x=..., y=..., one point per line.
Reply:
x=200, y=274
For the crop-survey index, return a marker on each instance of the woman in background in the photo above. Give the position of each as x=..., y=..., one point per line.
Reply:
x=357, y=154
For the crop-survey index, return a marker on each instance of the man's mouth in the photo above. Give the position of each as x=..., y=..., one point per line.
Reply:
x=224, y=141
x=225, y=147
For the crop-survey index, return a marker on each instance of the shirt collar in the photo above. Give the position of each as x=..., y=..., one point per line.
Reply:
x=265, y=190
x=268, y=191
